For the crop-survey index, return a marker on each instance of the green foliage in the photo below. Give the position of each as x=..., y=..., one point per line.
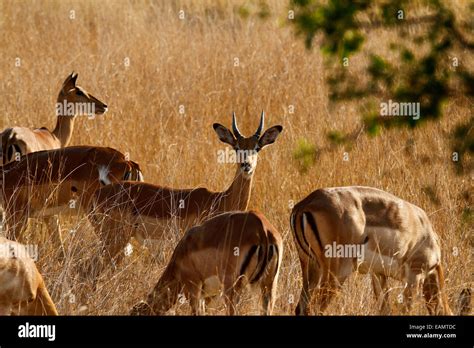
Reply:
x=257, y=8
x=305, y=154
x=337, y=138
x=423, y=71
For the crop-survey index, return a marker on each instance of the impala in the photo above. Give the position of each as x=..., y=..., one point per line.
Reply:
x=19, y=141
x=145, y=211
x=46, y=183
x=222, y=256
x=22, y=289
x=396, y=237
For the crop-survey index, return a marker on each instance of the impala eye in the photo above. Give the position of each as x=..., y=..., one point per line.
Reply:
x=79, y=92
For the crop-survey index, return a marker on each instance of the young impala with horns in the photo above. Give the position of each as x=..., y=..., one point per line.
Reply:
x=395, y=239
x=72, y=101
x=145, y=211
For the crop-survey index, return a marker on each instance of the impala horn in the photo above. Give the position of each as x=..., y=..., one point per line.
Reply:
x=260, y=127
x=235, y=129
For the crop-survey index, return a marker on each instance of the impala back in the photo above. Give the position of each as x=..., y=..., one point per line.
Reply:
x=21, y=140
x=48, y=182
x=150, y=208
x=390, y=231
x=226, y=248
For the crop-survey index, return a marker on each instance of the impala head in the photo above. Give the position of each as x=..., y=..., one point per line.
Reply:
x=247, y=148
x=74, y=100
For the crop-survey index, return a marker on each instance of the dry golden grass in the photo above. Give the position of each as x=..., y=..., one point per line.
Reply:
x=190, y=62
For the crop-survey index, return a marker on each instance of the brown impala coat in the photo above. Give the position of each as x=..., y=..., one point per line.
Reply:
x=46, y=183
x=19, y=141
x=395, y=239
x=146, y=211
x=220, y=257
x=22, y=289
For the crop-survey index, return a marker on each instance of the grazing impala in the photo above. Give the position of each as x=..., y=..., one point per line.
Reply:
x=22, y=289
x=220, y=257
x=72, y=101
x=46, y=183
x=145, y=211
x=396, y=239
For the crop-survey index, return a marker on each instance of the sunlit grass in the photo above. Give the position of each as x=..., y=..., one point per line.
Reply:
x=166, y=80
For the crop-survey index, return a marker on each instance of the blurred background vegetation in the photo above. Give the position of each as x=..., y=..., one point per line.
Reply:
x=428, y=61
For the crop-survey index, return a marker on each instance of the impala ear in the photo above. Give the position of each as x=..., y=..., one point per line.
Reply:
x=270, y=136
x=74, y=77
x=224, y=134
x=70, y=81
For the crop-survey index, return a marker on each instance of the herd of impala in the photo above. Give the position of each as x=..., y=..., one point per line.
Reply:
x=225, y=248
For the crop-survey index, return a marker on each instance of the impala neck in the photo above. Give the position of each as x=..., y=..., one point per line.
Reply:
x=63, y=129
x=237, y=196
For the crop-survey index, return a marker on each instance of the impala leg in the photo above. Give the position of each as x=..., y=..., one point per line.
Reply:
x=435, y=300
x=269, y=295
x=325, y=292
x=194, y=293
x=379, y=284
x=54, y=227
x=268, y=284
x=310, y=271
x=16, y=222
x=163, y=296
x=411, y=289
x=232, y=294
x=5, y=309
x=142, y=308
x=231, y=299
x=2, y=218
x=114, y=235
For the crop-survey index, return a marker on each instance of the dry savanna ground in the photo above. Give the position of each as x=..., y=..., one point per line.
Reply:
x=166, y=80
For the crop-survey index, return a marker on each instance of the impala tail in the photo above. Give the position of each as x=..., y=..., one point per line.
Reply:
x=260, y=261
x=305, y=229
x=123, y=170
x=12, y=149
x=134, y=174
x=262, y=266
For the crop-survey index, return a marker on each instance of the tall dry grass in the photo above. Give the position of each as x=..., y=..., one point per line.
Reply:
x=190, y=63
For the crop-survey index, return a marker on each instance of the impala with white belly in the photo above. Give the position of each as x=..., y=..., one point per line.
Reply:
x=396, y=237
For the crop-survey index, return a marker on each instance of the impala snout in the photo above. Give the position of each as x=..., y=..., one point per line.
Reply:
x=247, y=160
x=100, y=108
x=246, y=167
